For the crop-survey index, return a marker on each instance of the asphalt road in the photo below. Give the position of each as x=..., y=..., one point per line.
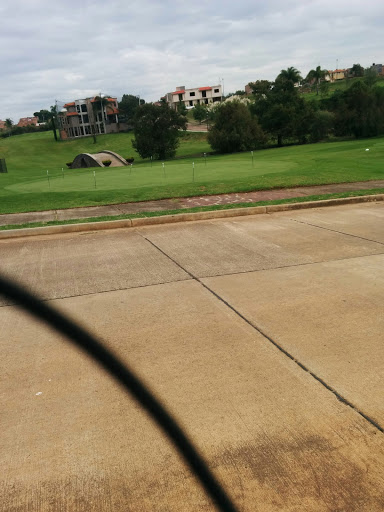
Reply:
x=263, y=335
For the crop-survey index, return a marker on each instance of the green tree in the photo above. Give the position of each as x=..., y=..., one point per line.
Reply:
x=235, y=129
x=9, y=124
x=279, y=109
x=357, y=70
x=182, y=109
x=291, y=74
x=43, y=115
x=199, y=113
x=324, y=88
x=370, y=77
x=128, y=106
x=316, y=75
x=157, y=131
x=54, y=113
x=321, y=125
x=261, y=88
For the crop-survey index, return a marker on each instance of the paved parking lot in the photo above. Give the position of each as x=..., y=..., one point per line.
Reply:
x=263, y=335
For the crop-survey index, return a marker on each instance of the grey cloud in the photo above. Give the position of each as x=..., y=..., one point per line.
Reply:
x=67, y=50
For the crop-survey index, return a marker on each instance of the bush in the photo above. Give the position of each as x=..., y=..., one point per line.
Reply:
x=68, y=164
x=107, y=163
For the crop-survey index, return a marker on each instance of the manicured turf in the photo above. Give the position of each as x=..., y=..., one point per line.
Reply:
x=26, y=187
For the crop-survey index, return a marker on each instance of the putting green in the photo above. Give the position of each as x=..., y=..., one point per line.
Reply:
x=26, y=186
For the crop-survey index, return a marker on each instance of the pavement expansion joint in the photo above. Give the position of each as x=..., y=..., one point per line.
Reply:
x=339, y=232
x=271, y=340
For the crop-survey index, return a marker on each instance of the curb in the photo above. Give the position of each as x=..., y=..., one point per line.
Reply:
x=183, y=217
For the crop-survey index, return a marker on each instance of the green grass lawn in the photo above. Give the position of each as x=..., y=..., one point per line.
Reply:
x=26, y=187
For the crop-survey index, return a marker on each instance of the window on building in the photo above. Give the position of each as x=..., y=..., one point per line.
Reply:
x=81, y=130
x=190, y=103
x=204, y=94
x=180, y=97
x=80, y=119
x=192, y=94
x=70, y=132
x=78, y=108
x=85, y=119
x=206, y=101
x=87, y=130
x=75, y=131
x=84, y=107
x=216, y=90
x=99, y=118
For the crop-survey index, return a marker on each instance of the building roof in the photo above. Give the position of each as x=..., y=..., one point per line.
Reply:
x=178, y=92
x=72, y=114
x=71, y=104
x=205, y=88
x=97, y=98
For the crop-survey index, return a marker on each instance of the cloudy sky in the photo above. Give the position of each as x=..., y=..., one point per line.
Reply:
x=64, y=50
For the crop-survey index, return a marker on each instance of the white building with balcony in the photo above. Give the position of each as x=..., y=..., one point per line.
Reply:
x=195, y=96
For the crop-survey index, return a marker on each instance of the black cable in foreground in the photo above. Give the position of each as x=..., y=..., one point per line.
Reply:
x=130, y=382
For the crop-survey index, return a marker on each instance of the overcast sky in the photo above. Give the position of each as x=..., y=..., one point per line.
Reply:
x=51, y=49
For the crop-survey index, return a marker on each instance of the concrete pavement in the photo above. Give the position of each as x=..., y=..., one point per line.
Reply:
x=262, y=334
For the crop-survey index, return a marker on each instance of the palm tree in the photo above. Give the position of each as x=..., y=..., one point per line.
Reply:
x=291, y=74
x=53, y=117
x=318, y=75
x=99, y=104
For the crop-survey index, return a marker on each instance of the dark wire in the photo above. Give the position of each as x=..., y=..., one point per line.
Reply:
x=130, y=382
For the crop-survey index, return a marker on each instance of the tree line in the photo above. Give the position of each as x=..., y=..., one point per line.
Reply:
x=277, y=113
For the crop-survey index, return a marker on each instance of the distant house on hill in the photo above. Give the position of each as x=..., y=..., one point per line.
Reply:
x=3, y=126
x=28, y=121
x=195, y=96
x=337, y=74
x=378, y=68
x=83, y=117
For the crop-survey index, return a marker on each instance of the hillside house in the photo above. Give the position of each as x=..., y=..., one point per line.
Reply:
x=195, y=96
x=28, y=121
x=83, y=117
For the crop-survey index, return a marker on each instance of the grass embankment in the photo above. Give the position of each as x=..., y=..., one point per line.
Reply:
x=26, y=187
x=339, y=85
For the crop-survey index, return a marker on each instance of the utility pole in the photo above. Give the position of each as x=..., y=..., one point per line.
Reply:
x=102, y=114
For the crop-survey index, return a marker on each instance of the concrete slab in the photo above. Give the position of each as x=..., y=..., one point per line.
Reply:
x=76, y=264
x=24, y=218
x=85, y=213
x=329, y=316
x=278, y=440
x=364, y=220
x=252, y=243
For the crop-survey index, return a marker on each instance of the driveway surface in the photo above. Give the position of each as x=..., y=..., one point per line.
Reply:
x=263, y=335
